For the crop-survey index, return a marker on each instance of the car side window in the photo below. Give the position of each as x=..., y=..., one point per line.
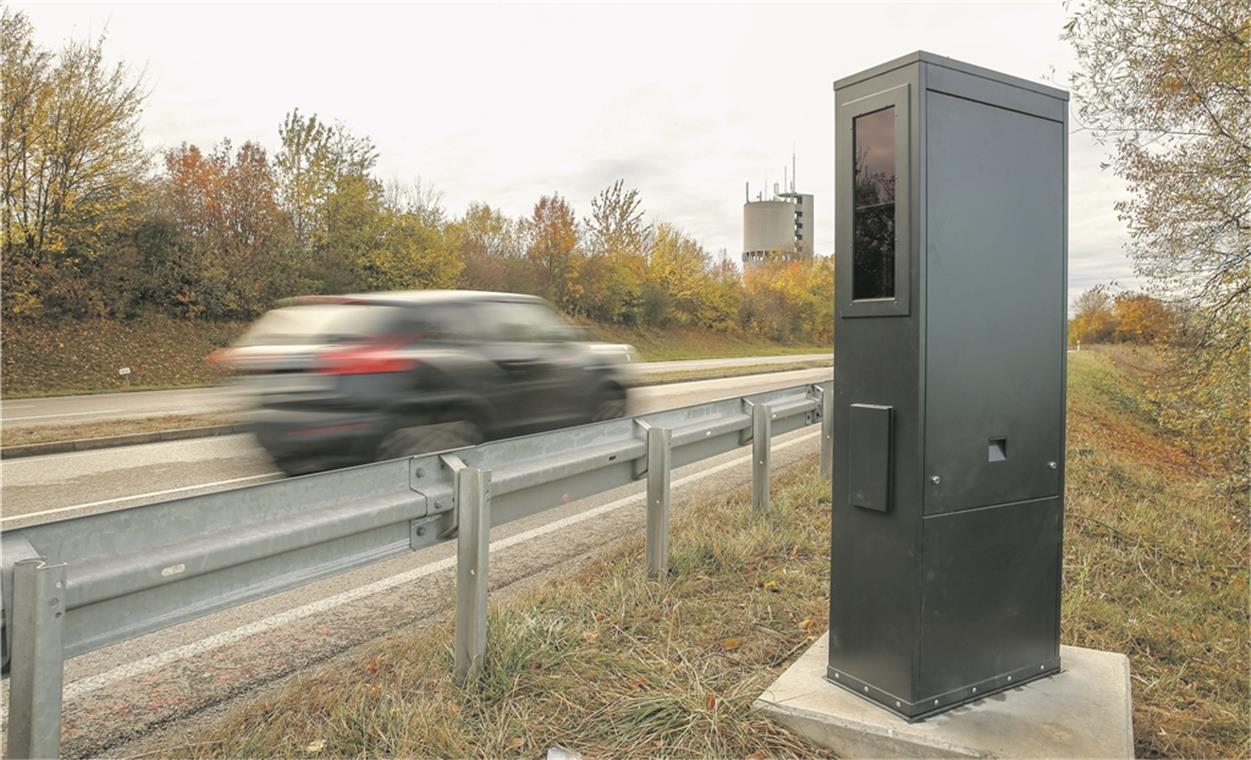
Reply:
x=522, y=322
x=454, y=322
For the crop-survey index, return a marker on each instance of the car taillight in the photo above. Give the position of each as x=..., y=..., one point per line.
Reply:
x=364, y=359
x=221, y=358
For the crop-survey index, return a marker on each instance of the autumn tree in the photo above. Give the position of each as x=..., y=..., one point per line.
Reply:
x=1142, y=319
x=819, y=286
x=228, y=252
x=316, y=161
x=616, y=221
x=618, y=242
x=72, y=165
x=790, y=300
x=1166, y=86
x=551, y=233
x=491, y=250
x=679, y=285
x=1094, y=318
x=413, y=249
x=726, y=297
x=351, y=222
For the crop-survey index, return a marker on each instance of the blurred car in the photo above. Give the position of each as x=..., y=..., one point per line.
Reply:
x=343, y=380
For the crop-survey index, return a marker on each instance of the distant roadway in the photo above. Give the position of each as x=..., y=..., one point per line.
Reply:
x=60, y=410
x=118, y=699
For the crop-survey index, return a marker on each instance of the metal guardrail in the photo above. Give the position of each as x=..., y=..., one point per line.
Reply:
x=71, y=586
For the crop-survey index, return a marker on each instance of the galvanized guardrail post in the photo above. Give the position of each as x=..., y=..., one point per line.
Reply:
x=37, y=662
x=658, y=474
x=760, y=456
x=473, y=544
x=827, y=433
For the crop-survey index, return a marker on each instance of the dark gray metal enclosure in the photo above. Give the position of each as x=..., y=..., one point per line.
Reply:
x=949, y=369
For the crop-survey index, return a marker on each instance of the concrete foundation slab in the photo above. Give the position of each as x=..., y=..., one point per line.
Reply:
x=1083, y=711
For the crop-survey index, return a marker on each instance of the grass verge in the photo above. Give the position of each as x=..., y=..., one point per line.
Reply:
x=688, y=343
x=606, y=663
x=18, y=436
x=681, y=376
x=1156, y=565
x=83, y=357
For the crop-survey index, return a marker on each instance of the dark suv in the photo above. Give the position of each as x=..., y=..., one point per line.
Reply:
x=341, y=380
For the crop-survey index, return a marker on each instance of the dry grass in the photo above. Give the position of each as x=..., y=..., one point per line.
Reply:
x=689, y=343
x=682, y=376
x=607, y=663
x=1156, y=566
x=42, y=359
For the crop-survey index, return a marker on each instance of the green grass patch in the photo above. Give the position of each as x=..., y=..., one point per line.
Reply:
x=687, y=343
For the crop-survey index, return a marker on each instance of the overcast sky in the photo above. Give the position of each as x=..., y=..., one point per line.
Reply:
x=503, y=103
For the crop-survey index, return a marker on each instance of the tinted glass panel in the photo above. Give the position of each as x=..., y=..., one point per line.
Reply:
x=873, y=245
x=523, y=321
x=321, y=323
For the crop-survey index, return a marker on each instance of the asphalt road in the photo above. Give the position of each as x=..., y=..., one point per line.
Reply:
x=41, y=488
x=120, y=699
x=60, y=410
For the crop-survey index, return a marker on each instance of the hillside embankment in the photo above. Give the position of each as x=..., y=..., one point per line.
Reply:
x=46, y=359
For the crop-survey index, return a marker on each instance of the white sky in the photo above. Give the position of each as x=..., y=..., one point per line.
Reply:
x=502, y=103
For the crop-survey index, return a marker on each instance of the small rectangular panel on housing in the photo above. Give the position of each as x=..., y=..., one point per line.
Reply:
x=869, y=457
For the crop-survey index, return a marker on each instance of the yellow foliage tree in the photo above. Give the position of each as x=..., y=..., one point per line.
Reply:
x=1094, y=318
x=1141, y=318
x=791, y=300
x=72, y=165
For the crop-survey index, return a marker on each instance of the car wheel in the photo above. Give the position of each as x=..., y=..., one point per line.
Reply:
x=424, y=439
x=610, y=405
x=293, y=467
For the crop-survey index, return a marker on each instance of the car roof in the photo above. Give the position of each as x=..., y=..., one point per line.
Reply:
x=414, y=297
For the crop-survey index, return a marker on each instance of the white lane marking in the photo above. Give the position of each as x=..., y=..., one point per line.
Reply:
x=138, y=496
x=63, y=414
x=131, y=670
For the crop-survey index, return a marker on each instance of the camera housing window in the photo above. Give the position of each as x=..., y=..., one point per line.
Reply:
x=876, y=133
